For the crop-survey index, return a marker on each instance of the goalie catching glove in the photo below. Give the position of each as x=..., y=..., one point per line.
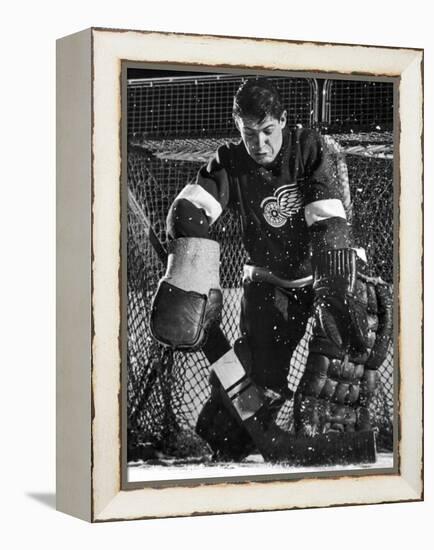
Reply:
x=351, y=335
x=188, y=301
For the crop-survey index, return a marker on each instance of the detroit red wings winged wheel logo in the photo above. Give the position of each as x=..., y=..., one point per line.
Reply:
x=285, y=202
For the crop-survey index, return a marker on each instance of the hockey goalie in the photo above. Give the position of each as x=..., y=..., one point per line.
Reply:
x=301, y=262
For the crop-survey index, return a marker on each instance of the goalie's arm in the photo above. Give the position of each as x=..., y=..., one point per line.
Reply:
x=325, y=378
x=324, y=211
x=188, y=301
x=201, y=203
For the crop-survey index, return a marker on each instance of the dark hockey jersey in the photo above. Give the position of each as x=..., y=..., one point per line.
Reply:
x=289, y=209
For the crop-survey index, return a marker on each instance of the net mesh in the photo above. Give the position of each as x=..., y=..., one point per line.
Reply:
x=174, y=125
x=359, y=104
x=186, y=107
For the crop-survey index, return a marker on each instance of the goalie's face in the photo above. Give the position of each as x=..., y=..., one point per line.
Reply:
x=262, y=139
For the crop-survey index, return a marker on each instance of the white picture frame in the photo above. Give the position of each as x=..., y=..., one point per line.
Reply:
x=89, y=295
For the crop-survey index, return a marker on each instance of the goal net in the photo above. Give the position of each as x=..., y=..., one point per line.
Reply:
x=165, y=392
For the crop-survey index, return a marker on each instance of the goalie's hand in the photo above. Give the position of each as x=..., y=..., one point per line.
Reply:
x=188, y=301
x=343, y=302
x=351, y=335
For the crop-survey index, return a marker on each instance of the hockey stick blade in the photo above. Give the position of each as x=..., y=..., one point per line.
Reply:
x=329, y=449
x=335, y=449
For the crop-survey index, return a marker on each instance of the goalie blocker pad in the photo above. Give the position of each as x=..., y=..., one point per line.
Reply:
x=183, y=317
x=188, y=301
x=247, y=403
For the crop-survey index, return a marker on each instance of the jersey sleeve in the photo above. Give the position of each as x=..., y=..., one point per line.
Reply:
x=201, y=203
x=324, y=212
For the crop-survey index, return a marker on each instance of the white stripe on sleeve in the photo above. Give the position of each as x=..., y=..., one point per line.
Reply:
x=322, y=210
x=202, y=199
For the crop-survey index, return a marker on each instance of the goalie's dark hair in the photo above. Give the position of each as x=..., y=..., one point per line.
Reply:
x=257, y=98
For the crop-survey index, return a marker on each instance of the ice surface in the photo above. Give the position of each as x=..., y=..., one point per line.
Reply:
x=252, y=465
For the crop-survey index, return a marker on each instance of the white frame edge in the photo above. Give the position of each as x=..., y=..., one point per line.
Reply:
x=73, y=274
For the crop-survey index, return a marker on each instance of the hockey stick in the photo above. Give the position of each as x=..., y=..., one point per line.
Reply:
x=153, y=239
x=275, y=444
